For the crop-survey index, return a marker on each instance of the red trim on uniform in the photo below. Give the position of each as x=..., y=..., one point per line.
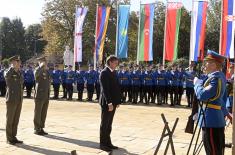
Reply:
x=212, y=142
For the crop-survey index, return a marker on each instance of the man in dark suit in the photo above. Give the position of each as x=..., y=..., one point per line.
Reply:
x=110, y=99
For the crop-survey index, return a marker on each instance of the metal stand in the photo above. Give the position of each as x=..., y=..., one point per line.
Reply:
x=167, y=132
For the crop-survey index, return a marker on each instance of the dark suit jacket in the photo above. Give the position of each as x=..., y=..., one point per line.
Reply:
x=110, y=88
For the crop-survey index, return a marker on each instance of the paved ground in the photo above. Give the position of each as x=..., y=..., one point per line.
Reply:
x=75, y=126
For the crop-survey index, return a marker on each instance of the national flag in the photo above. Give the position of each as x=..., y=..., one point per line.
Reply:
x=173, y=15
x=79, y=20
x=122, y=35
x=198, y=27
x=145, y=52
x=102, y=18
x=227, y=28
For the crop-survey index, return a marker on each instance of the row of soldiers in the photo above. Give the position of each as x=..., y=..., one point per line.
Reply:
x=139, y=84
x=146, y=84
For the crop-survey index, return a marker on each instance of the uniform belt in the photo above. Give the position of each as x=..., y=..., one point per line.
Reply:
x=160, y=78
x=189, y=80
x=213, y=106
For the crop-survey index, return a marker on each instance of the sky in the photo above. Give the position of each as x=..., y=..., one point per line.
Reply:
x=30, y=10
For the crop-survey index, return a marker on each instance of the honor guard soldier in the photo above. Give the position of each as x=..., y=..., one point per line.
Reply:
x=90, y=77
x=230, y=81
x=80, y=79
x=97, y=82
x=2, y=82
x=212, y=93
x=56, y=81
x=168, y=87
x=174, y=86
x=70, y=79
x=29, y=80
x=135, y=81
x=124, y=82
x=63, y=80
x=148, y=84
x=161, y=79
x=189, y=76
x=180, y=84
x=130, y=70
x=156, y=90
x=14, y=98
x=42, y=95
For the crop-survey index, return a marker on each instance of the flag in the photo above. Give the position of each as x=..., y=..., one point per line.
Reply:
x=102, y=16
x=198, y=27
x=122, y=26
x=173, y=15
x=79, y=20
x=145, y=52
x=227, y=28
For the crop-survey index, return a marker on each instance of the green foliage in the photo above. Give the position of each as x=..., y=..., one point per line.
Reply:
x=15, y=40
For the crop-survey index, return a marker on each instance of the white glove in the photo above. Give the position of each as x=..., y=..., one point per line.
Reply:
x=195, y=80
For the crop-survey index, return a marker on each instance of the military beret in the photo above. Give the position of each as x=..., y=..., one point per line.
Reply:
x=212, y=55
x=42, y=58
x=14, y=58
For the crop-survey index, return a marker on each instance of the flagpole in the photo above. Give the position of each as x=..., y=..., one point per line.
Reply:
x=221, y=22
x=164, y=51
x=74, y=59
x=233, y=122
x=191, y=33
x=117, y=26
x=138, y=48
x=95, y=61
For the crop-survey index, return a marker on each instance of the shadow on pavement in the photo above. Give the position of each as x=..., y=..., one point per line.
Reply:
x=121, y=151
x=84, y=143
x=41, y=150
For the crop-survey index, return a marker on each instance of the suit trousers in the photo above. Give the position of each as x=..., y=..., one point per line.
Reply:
x=12, y=120
x=106, y=125
x=40, y=113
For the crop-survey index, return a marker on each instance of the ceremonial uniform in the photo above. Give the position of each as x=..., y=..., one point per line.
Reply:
x=174, y=87
x=148, y=85
x=70, y=79
x=29, y=81
x=41, y=97
x=161, y=79
x=180, y=86
x=63, y=79
x=229, y=86
x=168, y=87
x=124, y=79
x=2, y=83
x=97, y=84
x=135, y=82
x=80, y=78
x=14, y=98
x=212, y=92
x=90, y=77
x=56, y=81
x=189, y=76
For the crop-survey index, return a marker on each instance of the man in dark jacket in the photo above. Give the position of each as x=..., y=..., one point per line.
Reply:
x=109, y=101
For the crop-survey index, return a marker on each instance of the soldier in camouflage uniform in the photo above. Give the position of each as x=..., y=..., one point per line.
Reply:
x=41, y=97
x=14, y=98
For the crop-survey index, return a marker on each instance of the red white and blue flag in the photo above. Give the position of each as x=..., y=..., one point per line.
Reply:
x=79, y=20
x=198, y=27
x=227, y=28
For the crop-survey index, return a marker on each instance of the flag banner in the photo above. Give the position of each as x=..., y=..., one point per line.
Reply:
x=198, y=27
x=227, y=29
x=173, y=15
x=79, y=20
x=122, y=38
x=145, y=52
x=102, y=17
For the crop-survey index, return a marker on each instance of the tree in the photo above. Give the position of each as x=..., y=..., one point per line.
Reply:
x=34, y=41
x=12, y=35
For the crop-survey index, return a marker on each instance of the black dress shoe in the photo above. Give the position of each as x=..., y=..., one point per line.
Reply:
x=36, y=132
x=43, y=132
x=11, y=142
x=18, y=141
x=113, y=147
x=105, y=148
